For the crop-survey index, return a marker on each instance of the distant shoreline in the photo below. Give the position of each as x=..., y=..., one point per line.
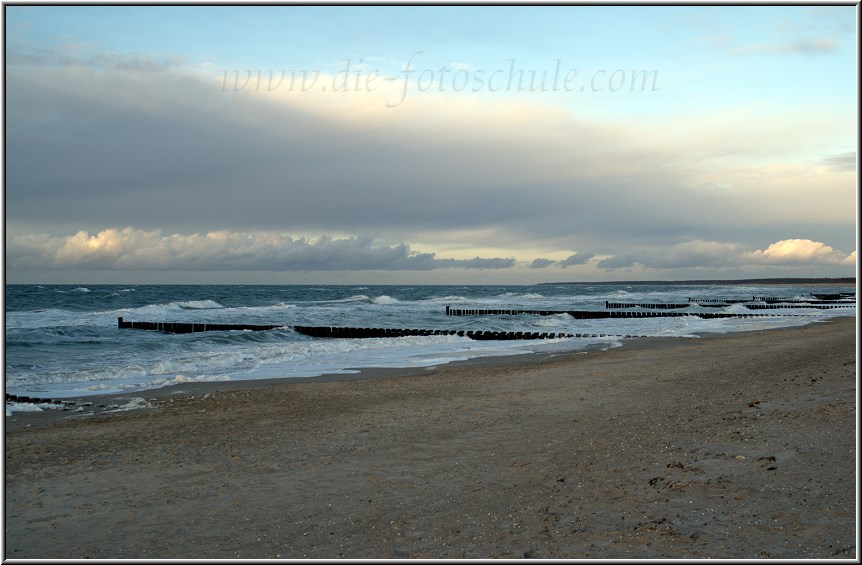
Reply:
x=821, y=281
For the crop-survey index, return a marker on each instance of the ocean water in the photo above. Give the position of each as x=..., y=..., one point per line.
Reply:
x=63, y=341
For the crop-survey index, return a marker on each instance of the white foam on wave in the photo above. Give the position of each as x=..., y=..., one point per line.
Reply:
x=21, y=407
x=114, y=377
x=199, y=305
x=195, y=311
x=12, y=407
x=527, y=295
x=156, y=312
x=449, y=298
x=183, y=379
x=316, y=357
x=554, y=321
x=382, y=299
x=47, y=318
x=736, y=308
x=132, y=404
x=281, y=306
x=353, y=298
x=80, y=290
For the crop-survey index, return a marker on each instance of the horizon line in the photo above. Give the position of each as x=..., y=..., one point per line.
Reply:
x=778, y=280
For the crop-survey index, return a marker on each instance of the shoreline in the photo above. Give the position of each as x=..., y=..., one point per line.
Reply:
x=732, y=446
x=113, y=403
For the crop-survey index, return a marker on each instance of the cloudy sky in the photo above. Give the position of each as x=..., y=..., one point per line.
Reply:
x=431, y=144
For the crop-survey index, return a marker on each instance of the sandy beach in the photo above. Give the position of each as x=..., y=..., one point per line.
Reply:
x=734, y=446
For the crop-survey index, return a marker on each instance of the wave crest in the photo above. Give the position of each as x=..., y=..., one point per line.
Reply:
x=199, y=305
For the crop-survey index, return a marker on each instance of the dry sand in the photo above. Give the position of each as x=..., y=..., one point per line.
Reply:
x=739, y=446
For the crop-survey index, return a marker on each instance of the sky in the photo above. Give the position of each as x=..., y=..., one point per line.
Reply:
x=429, y=144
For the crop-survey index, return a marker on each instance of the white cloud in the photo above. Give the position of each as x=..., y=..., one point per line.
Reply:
x=717, y=255
x=798, y=251
x=133, y=249
x=130, y=249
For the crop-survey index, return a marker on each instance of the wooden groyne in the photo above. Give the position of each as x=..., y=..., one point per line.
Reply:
x=716, y=302
x=578, y=314
x=654, y=306
x=359, y=333
x=350, y=332
x=341, y=332
x=796, y=305
x=65, y=405
x=345, y=332
x=818, y=299
x=829, y=298
x=834, y=296
x=184, y=328
x=35, y=400
x=599, y=314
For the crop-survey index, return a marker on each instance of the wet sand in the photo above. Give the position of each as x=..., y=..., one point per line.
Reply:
x=736, y=446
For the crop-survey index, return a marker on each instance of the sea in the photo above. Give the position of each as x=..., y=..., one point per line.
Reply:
x=63, y=341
